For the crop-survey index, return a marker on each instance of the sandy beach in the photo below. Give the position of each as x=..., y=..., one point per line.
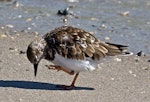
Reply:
x=120, y=79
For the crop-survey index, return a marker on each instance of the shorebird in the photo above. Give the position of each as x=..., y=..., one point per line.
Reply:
x=72, y=50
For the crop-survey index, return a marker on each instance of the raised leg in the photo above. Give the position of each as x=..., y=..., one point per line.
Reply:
x=58, y=68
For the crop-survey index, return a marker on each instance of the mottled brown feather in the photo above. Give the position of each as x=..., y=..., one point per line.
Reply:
x=75, y=43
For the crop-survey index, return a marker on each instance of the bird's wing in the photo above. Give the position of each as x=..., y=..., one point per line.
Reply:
x=76, y=43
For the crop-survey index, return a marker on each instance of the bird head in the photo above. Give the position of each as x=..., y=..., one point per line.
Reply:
x=35, y=52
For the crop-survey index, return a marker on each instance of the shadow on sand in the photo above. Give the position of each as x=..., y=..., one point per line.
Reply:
x=35, y=85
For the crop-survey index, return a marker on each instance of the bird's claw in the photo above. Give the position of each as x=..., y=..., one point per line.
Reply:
x=66, y=87
x=54, y=67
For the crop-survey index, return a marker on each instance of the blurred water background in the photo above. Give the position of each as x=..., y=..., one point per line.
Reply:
x=119, y=21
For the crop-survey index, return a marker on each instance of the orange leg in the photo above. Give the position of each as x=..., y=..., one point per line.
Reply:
x=58, y=68
x=74, y=80
x=70, y=87
x=66, y=87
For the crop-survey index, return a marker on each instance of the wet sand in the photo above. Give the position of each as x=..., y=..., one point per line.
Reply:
x=120, y=79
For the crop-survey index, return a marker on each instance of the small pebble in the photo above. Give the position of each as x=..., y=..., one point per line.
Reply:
x=93, y=25
x=143, y=92
x=10, y=26
x=141, y=53
x=107, y=38
x=145, y=68
x=112, y=78
x=126, y=13
x=111, y=31
x=29, y=28
x=13, y=49
x=103, y=26
x=33, y=24
x=22, y=52
x=3, y=36
x=63, y=12
x=65, y=20
x=28, y=19
x=94, y=19
x=24, y=31
x=12, y=38
x=20, y=100
x=118, y=59
x=2, y=27
x=27, y=69
x=19, y=16
x=131, y=72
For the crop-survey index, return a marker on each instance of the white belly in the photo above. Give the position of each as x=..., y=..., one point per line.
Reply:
x=75, y=65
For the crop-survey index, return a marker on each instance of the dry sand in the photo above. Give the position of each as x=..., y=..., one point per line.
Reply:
x=121, y=79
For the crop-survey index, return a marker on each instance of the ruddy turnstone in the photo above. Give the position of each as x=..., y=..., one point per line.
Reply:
x=72, y=50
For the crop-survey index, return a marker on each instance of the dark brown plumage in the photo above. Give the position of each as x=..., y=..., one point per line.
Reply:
x=76, y=43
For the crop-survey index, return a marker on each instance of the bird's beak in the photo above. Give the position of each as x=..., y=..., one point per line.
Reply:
x=35, y=69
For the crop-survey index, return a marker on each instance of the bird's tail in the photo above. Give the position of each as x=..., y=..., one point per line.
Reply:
x=115, y=49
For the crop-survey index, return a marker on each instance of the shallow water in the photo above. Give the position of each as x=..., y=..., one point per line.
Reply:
x=102, y=17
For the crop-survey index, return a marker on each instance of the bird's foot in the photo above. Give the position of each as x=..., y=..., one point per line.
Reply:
x=66, y=87
x=54, y=67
